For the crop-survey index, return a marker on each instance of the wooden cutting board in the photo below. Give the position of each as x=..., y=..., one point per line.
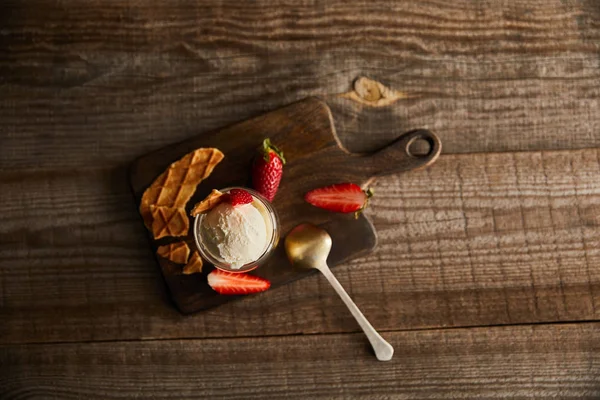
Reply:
x=315, y=158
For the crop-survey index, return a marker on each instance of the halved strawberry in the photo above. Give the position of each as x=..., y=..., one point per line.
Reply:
x=267, y=170
x=230, y=283
x=341, y=197
x=239, y=196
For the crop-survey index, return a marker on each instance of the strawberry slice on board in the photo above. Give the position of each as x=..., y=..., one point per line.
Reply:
x=230, y=283
x=267, y=170
x=341, y=197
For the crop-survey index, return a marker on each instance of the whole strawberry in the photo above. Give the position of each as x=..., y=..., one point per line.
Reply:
x=267, y=170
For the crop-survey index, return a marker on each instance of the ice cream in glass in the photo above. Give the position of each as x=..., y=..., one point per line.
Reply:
x=237, y=238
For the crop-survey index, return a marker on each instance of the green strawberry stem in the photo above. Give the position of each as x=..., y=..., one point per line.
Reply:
x=268, y=147
x=369, y=193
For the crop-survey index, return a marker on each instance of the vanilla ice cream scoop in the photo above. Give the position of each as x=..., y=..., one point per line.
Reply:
x=237, y=235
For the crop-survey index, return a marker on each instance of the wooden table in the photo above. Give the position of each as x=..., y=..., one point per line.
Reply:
x=486, y=279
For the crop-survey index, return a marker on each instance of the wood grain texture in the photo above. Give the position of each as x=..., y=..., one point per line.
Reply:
x=518, y=362
x=87, y=86
x=474, y=240
x=122, y=78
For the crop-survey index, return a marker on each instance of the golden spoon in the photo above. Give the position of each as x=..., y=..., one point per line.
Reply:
x=308, y=246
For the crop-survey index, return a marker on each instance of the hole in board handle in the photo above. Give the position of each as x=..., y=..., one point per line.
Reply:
x=419, y=147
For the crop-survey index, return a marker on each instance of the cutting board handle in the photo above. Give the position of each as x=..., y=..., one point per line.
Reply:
x=397, y=156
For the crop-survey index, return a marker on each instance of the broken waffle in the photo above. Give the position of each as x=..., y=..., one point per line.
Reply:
x=194, y=265
x=212, y=200
x=167, y=221
x=173, y=189
x=178, y=252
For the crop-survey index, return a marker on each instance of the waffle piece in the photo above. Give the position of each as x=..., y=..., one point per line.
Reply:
x=212, y=200
x=178, y=252
x=194, y=265
x=167, y=221
x=174, y=187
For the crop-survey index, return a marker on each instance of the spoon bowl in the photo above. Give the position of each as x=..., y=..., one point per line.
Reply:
x=308, y=246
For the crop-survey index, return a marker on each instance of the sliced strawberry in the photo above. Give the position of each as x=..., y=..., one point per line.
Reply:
x=341, y=197
x=239, y=196
x=230, y=283
x=267, y=170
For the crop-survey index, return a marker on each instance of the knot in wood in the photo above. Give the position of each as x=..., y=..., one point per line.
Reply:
x=367, y=89
x=372, y=93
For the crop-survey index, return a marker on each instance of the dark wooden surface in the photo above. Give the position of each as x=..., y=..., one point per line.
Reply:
x=477, y=240
x=305, y=132
x=515, y=362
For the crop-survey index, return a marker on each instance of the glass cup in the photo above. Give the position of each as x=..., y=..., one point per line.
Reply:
x=273, y=231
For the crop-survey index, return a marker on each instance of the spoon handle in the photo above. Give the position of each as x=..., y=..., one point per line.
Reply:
x=383, y=350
